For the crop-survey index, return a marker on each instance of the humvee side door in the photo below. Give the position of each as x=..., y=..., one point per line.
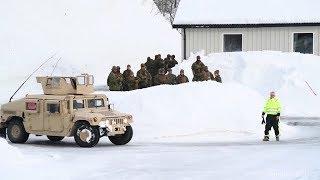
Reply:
x=53, y=116
x=34, y=115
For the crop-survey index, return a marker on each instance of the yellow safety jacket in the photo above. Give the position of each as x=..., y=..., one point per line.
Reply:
x=272, y=107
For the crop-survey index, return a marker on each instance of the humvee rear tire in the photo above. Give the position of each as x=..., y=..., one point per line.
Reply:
x=55, y=138
x=122, y=139
x=16, y=132
x=86, y=135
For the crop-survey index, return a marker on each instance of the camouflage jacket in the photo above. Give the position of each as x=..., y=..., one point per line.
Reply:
x=171, y=79
x=160, y=79
x=182, y=79
x=115, y=81
x=197, y=67
x=144, y=77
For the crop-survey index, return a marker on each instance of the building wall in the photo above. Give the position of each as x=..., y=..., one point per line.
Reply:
x=254, y=39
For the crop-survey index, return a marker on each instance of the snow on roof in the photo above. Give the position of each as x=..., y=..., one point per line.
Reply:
x=222, y=12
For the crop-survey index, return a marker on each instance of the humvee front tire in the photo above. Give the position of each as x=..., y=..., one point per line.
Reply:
x=122, y=139
x=16, y=132
x=86, y=135
x=55, y=138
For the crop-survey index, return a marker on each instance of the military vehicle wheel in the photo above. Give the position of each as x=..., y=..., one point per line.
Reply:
x=86, y=135
x=16, y=132
x=122, y=139
x=55, y=138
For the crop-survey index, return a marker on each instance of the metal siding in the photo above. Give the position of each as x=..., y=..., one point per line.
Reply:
x=254, y=39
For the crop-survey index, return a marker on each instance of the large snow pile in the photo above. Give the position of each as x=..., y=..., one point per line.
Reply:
x=89, y=36
x=206, y=109
x=290, y=74
x=246, y=12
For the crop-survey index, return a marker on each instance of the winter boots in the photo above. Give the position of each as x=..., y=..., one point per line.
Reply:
x=266, y=138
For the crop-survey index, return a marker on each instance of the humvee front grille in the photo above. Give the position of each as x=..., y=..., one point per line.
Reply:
x=116, y=121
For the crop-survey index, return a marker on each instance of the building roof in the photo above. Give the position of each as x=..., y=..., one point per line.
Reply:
x=247, y=13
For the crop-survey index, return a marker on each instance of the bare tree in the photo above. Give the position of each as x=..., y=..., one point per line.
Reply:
x=167, y=8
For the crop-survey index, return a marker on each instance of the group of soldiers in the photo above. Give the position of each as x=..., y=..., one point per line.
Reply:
x=202, y=73
x=157, y=72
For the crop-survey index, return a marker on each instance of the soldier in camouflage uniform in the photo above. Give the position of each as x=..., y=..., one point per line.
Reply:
x=160, y=78
x=158, y=63
x=150, y=66
x=145, y=79
x=217, y=76
x=207, y=74
x=128, y=79
x=171, y=78
x=115, y=79
x=170, y=61
x=182, y=78
x=198, y=70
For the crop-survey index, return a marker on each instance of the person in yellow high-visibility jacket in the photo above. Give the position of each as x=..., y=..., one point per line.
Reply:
x=272, y=109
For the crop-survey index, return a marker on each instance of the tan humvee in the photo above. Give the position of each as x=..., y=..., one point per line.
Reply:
x=67, y=108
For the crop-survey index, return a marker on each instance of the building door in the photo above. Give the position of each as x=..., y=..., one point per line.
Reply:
x=232, y=42
x=53, y=116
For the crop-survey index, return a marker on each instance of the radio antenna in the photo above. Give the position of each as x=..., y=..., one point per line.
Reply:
x=47, y=60
x=55, y=66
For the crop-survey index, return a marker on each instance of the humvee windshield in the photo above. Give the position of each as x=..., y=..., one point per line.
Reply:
x=95, y=103
x=78, y=104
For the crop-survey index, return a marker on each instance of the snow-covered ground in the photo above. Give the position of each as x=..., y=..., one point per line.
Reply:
x=203, y=130
x=191, y=131
x=289, y=74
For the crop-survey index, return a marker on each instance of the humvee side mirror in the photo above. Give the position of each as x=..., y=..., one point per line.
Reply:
x=109, y=106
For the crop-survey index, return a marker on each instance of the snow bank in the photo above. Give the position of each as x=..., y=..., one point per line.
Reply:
x=206, y=109
x=89, y=36
x=286, y=73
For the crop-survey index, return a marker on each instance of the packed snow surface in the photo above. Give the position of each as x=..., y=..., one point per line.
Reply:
x=247, y=12
x=199, y=130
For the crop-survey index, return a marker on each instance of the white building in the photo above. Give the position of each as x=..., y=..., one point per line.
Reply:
x=249, y=25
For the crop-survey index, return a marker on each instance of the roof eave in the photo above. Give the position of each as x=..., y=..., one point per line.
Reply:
x=243, y=25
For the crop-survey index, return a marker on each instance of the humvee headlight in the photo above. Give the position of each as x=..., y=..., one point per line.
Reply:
x=125, y=121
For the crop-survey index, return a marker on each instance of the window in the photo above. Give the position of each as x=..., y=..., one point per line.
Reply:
x=91, y=80
x=78, y=104
x=232, y=42
x=95, y=103
x=53, y=108
x=54, y=82
x=81, y=80
x=31, y=106
x=303, y=43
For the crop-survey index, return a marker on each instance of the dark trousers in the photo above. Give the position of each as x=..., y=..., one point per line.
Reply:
x=272, y=122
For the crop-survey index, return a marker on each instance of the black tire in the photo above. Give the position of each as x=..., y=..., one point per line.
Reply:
x=16, y=132
x=86, y=128
x=122, y=139
x=55, y=138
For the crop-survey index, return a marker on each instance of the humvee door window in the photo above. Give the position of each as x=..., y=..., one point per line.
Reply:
x=53, y=108
x=31, y=106
x=95, y=103
x=78, y=104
